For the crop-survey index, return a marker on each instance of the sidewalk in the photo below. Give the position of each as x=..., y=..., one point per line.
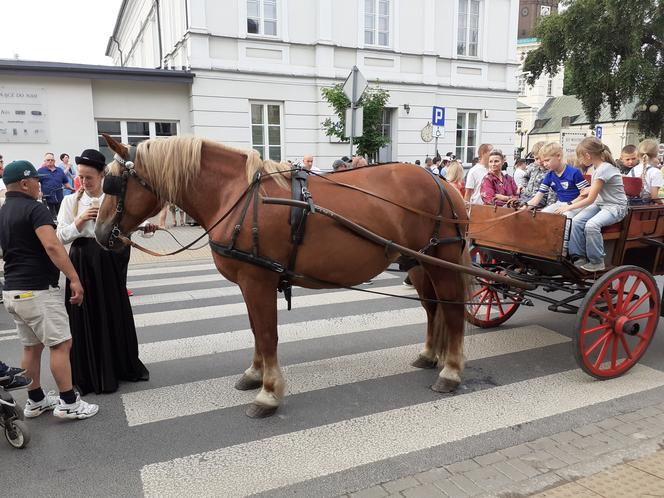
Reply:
x=621, y=456
x=163, y=243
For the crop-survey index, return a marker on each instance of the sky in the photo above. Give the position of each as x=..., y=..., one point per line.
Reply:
x=75, y=31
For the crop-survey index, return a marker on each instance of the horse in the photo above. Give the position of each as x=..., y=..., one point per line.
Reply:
x=214, y=183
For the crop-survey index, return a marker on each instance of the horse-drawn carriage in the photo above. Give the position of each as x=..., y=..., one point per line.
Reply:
x=616, y=310
x=359, y=222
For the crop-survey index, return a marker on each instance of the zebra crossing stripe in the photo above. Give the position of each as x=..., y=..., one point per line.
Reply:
x=159, y=282
x=193, y=295
x=296, y=457
x=169, y=402
x=189, y=347
x=190, y=315
x=173, y=269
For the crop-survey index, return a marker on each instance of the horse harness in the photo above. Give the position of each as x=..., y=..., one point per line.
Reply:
x=297, y=220
x=116, y=185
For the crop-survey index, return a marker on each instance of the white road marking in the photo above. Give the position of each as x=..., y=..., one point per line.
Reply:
x=159, y=282
x=190, y=315
x=193, y=295
x=189, y=347
x=173, y=269
x=295, y=457
x=143, y=407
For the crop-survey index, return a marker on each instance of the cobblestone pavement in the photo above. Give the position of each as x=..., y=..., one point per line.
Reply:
x=621, y=456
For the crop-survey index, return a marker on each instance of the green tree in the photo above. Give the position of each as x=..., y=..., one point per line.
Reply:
x=373, y=102
x=612, y=52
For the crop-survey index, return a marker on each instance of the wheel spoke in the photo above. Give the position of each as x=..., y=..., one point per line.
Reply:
x=620, y=292
x=631, y=292
x=601, y=314
x=614, y=350
x=638, y=303
x=602, y=338
x=482, y=289
x=643, y=315
x=488, y=307
x=609, y=302
x=603, y=326
x=602, y=352
x=500, y=306
x=625, y=346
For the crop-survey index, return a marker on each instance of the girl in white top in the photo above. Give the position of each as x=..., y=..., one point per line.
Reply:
x=648, y=169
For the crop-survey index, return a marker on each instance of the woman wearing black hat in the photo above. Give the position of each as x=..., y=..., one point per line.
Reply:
x=104, y=347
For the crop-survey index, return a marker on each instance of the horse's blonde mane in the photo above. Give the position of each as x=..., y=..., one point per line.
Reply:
x=171, y=164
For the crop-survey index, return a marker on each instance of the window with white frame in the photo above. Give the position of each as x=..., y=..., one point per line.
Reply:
x=469, y=28
x=132, y=132
x=377, y=22
x=266, y=131
x=262, y=17
x=521, y=84
x=467, y=135
x=518, y=125
x=549, y=87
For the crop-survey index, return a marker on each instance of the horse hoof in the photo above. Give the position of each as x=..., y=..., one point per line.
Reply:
x=443, y=385
x=246, y=383
x=423, y=362
x=260, y=411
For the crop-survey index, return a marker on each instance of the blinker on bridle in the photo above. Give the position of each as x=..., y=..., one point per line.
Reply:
x=116, y=185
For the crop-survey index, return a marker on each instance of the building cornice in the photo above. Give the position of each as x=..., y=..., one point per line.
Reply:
x=95, y=72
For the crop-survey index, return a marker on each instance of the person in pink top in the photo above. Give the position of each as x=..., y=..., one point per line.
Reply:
x=498, y=188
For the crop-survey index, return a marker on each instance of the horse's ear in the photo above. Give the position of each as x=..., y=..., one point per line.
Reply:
x=116, y=147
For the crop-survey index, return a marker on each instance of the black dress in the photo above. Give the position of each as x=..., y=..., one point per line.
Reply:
x=104, y=345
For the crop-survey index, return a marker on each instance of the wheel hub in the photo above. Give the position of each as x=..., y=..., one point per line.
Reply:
x=623, y=325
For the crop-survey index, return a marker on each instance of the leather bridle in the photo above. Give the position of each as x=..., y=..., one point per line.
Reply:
x=116, y=185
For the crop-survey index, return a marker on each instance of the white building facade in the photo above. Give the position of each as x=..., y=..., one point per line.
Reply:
x=260, y=66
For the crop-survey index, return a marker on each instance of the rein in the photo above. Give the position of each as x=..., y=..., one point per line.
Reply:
x=117, y=186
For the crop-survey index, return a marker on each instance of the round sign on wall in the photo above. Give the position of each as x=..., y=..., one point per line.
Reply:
x=427, y=133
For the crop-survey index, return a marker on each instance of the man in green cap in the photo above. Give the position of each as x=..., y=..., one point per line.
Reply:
x=34, y=258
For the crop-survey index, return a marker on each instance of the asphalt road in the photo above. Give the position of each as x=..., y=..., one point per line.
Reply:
x=357, y=415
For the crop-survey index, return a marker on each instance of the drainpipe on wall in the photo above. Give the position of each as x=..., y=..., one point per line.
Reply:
x=119, y=50
x=161, y=50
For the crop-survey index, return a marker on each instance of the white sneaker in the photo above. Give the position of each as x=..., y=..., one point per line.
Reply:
x=35, y=409
x=79, y=409
x=580, y=262
x=593, y=267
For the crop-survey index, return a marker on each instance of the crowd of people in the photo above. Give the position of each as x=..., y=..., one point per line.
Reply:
x=89, y=329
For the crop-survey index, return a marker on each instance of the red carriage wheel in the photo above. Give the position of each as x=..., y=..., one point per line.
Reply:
x=616, y=322
x=489, y=307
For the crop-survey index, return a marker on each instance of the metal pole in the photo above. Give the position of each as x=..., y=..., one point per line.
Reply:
x=352, y=111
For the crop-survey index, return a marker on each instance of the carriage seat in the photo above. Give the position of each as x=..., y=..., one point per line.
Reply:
x=611, y=232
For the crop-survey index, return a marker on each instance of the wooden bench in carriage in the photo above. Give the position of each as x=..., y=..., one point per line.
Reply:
x=616, y=310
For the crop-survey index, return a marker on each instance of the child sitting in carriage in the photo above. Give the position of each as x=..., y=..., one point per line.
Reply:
x=566, y=181
x=605, y=204
x=648, y=170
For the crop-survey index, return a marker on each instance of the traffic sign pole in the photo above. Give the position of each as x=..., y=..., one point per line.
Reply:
x=352, y=110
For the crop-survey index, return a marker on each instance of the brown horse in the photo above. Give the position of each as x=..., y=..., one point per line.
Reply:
x=208, y=180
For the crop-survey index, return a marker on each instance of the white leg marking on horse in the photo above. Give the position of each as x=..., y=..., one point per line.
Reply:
x=267, y=398
x=449, y=374
x=254, y=373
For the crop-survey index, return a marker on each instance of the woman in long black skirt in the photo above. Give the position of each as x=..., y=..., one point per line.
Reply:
x=104, y=345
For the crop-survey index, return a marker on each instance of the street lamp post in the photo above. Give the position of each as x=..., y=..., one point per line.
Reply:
x=521, y=134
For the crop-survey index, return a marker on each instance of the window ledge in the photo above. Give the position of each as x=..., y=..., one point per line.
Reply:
x=253, y=36
x=469, y=58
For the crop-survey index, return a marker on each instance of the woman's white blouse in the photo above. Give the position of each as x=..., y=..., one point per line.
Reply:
x=67, y=231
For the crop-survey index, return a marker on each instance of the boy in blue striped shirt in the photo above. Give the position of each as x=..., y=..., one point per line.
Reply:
x=566, y=181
